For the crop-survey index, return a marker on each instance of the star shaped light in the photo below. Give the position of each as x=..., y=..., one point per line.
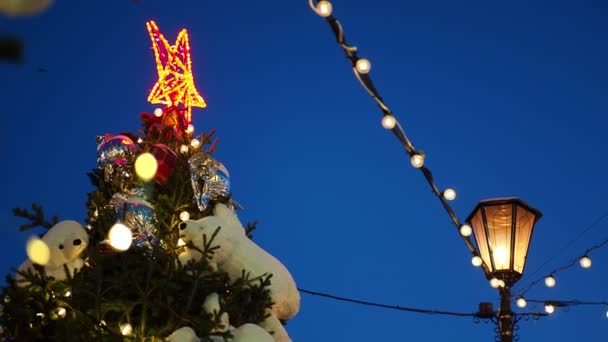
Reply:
x=175, y=83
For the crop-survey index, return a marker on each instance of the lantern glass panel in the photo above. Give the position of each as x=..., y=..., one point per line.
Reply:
x=480, y=237
x=499, y=220
x=525, y=223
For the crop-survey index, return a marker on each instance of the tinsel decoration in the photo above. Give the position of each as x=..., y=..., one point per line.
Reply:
x=115, y=155
x=139, y=215
x=210, y=179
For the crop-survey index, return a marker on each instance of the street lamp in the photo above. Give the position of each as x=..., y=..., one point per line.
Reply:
x=502, y=228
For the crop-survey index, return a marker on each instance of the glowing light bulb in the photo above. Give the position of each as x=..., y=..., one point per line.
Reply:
x=38, y=251
x=449, y=194
x=61, y=312
x=500, y=255
x=120, y=237
x=184, y=149
x=585, y=262
x=501, y=283
x=40, y=314
x=158, y=112
x=389, y=121
x=146, y=166
x=324, y=8
x=184, y=216
x=181, y=242
x=126, y=329
x=363, y=66
x=140, y=140
x=476, y=261
x=550, y=281
x=195, y=143
x=521, y=302
x=465, y=230
x=190, y=129
x=67, y=294
x=417, y=160
x=549, y=308
x=495, y=283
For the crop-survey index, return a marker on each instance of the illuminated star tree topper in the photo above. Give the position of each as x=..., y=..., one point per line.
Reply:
x=175, y=83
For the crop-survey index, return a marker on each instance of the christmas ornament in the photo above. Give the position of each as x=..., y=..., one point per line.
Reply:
x=175, y=83
x=166, y=160
x=210, y=179
x=135, y=212
x=65, y=241
x=239, y=253
x=115, y=154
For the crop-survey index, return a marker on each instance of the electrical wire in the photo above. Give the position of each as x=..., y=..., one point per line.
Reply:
x=367, y=84
x=560, y=250
x=409, y=309
x=563, y=267
x=387, y=306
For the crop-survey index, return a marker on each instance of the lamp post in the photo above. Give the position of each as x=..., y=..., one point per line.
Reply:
x=502, y=229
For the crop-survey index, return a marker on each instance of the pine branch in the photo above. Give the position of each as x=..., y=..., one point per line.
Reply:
x=251, y=226
x=36, y=218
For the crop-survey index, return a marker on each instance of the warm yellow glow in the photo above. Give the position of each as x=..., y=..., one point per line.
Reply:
x=190, y=129
x=550, y=281
x=120, y=237
x=324, y=8
x=495, y=283
x=146, y=166
x=158, y=112
x=38, y=251
x=175, y=83
x=417, y=160
x=67, y=294
x=389, y=121
x=126, y=329
x=184, y=149
x=476, y=261
x=195, y=143
x=61, y=312
x=521, y=302
x=585, y=262
x=184, y=216
x=363, y=66
x=549, y=308
x=181, y=242
x=466, y=230
x=449, y=194
x=500, y=256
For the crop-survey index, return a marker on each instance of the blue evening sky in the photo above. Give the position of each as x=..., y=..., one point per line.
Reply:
x=506, y=99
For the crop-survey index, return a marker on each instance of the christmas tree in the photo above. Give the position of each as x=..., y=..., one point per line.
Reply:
x=162, y=254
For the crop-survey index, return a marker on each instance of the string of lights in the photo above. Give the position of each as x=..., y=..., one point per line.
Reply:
x=410, y=309
x=361, y=68
x=552, y=304
x=584, y=261
x=560, y=251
